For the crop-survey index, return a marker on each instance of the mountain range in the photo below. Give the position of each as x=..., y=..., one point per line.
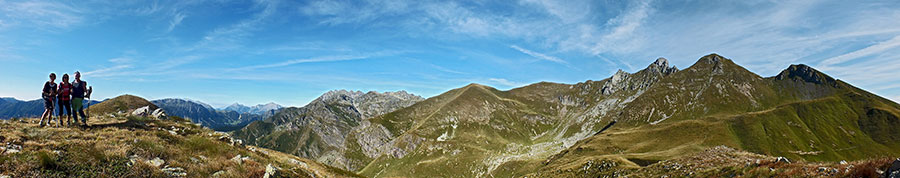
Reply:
x=228, y=119
x=551, y=129
x=14, y=108
x=261, y=109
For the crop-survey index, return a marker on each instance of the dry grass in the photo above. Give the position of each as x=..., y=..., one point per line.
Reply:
x=108, y=146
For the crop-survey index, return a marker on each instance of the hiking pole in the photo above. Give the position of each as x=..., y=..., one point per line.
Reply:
x=88, y=107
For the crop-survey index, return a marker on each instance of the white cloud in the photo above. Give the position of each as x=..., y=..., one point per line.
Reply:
x=175, y=21
x=867, y=51
x=232, y=36
x=539, y=55
x=567, y=11
x=106, y=72
x=621, y=36
x=504, y=82
x=120, y=60
x=307, y=60
x=47, y=15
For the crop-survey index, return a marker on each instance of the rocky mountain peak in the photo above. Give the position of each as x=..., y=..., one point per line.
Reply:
x=662, y=62
x=712, y=62
x=804, y=73
x=661, y=65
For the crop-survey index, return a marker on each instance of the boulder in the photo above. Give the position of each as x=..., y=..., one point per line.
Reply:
x=174, y=171
x=156, y=162
x=159, y=114
x=782, y=160
x=142, y=111
x=271, y=171
x=237, y=159
x=219, y=174
x=893, y=171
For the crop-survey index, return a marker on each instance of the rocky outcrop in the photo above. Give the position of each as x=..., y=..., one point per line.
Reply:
x=159, y=114
x=142, y=111
x=805, y=73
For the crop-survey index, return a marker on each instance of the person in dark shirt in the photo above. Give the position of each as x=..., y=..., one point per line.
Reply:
x=79, y=88
x=64, y=95
x=49, y=95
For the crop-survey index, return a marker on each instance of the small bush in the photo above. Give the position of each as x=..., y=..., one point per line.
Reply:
x=47, y=160
x=868, y=168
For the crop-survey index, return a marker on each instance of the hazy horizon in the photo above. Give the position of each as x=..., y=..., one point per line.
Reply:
x=256, y=52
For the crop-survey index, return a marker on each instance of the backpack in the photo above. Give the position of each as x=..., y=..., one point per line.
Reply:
x=50, y=89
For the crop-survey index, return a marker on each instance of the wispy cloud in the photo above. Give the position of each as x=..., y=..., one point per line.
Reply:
x=444, y=69
x=504, y=82
x=175, y=21
x=106, y=72
x=47, y=15
x=307, y=60
x=232, y=36
x=867, y=51
x=539, y=55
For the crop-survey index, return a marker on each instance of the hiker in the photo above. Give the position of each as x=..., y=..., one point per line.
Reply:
x=79, y=88
x=49, y=95
x=64, y=95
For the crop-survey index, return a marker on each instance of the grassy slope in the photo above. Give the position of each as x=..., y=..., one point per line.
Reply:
x=827, y=129
x=103, y=150
x=821, y=120
x=472, y=141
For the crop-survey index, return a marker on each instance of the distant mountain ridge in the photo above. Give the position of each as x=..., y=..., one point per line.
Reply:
x=257, y=109
x=14, y=108
x=220, y=120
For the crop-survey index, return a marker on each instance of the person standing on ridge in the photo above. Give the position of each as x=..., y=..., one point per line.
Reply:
x=49, y=95
x=64, y=94
x=79, y=88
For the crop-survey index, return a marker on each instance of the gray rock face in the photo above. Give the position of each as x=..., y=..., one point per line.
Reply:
x=159, y=114
x=260, y=109
x=318, y=130
x=142, y=111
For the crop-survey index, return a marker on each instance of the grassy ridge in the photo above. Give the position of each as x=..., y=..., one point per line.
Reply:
x=121, y=147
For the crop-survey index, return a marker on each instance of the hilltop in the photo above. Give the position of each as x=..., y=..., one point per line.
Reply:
x=131, y=146
x=120, y=104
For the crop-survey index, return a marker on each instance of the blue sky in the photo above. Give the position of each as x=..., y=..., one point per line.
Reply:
x=290, y=52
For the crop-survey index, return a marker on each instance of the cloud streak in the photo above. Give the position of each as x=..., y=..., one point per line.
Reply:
x=175, y=21
x=504, y=82
x=107, y=72
x=867, y=51
x=539, y=55
x=307, y=60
